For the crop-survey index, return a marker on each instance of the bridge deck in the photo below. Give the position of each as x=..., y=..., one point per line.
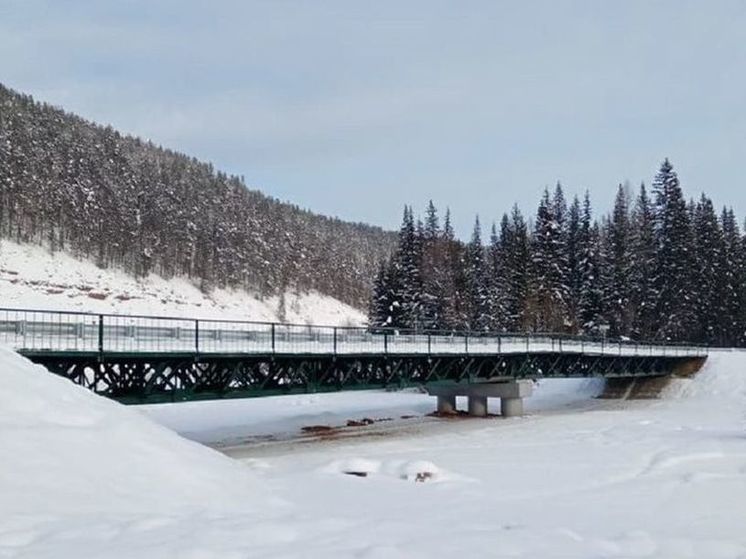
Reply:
x=154, y=359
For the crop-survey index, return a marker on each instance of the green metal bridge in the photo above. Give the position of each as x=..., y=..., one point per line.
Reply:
x=147, y=359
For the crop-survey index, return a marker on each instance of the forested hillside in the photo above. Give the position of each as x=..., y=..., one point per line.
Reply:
x=72, y=185
x=657, y=268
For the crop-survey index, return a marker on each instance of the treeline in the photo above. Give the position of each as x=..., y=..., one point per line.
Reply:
x=657, y=268
x=72, y=185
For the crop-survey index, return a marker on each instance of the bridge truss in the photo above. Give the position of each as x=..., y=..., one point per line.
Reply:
x=142, y=359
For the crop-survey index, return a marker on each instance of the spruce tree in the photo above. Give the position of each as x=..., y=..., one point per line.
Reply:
x=590, y=303
x=709, y=260
x=496, y=281
x=675, y=260
x=618, y=267
x=477, y=295
x=549, y=265
x=643, y=263
x=574, y=276
x=515, y=275
x=408, y=260
x=432, y=271
x=432, y=223
x=732, y=283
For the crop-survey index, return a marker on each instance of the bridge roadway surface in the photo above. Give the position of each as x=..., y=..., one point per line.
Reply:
x=146, y=359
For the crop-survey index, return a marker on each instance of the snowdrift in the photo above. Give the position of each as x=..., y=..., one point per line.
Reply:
x=723, y=378
x=67, y=451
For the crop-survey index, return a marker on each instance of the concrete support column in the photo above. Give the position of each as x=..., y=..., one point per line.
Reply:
x=447, y=404
x=511, y=407
x=511, y=394
x=477, y=405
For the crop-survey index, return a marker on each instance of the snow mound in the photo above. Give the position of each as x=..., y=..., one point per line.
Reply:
x=66, y=450
x=353, y=466
x=723, y=378
x=32, y=277
x=412, y=470
x=419, y=470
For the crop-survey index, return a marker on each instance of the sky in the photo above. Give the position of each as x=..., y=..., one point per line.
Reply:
x=355, y=109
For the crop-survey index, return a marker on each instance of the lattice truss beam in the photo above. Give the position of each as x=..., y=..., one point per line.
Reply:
x=159, y=378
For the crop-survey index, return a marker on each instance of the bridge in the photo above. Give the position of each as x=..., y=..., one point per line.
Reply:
x=149, y=359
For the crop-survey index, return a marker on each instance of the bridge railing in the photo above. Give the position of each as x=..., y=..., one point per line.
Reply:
x=69, y=331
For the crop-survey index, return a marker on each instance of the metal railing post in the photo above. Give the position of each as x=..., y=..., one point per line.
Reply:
x=466, y=343
x=100, y=334
x=385, y=342
x=196, y=336
x=335, y=340
x=429, y=344
x=273, y=337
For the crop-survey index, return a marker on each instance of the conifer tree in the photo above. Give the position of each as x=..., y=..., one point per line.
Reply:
x=433, y=273
x=477, y=296
x=432, y=223
x=618, y=268
x=732, y=283
x=574, y=262
x=590, y=304
x=709, y=259
x=549, y=265
x=643, y=264
x=407, y=270
x=451, y=279
x=496, y=281
x=675, y=259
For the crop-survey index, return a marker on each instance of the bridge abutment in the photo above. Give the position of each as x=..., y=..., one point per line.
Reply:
x=511, y=394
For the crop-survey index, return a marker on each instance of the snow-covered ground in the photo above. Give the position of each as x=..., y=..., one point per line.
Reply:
x=577, y=477
x=32, y=277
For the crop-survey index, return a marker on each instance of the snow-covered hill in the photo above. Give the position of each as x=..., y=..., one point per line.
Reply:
x=31, y=277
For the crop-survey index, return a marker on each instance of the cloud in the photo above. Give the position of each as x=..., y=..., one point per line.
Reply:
x=355, y=109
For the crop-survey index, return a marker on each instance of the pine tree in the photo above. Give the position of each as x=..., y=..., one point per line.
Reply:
x=407, y=270
x=643, y=264
x=432, y=223
x=516, y=264
x=448, y=233
x=590, y=304
x=574, y=275
x=451, y=278
x=496, y=281
x=709, y=259
x=380, y=304
x=549, y=265
x=731, y=289
x=477, y=296
x=675, y=260
x=618, y=268
x=433, y=270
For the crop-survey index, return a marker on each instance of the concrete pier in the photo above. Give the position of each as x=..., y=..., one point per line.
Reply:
x=447, y=404
x=478, y=406
x=511, y=407
x=511, y=394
